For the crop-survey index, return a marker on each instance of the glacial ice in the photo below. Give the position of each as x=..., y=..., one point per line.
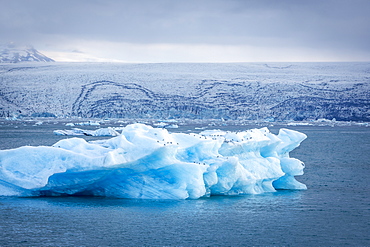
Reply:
x=151, y=163
x=79, y=132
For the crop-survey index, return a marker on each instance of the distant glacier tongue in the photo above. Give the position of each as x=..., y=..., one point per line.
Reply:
x=151, y=163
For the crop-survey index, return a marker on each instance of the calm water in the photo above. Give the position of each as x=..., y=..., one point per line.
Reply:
x=334, y=211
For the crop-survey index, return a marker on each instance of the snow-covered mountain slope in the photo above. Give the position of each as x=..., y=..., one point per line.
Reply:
x=251, y=91
x=12, y=53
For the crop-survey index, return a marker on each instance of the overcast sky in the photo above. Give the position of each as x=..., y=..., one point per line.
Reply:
x=190, y=30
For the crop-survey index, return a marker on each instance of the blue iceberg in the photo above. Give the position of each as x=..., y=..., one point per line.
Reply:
x=151, y=163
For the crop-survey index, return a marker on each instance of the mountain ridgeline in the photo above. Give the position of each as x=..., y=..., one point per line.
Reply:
x=12, y=53
x=244, y=91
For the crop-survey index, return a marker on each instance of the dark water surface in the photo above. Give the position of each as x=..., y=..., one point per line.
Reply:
x=334, y=211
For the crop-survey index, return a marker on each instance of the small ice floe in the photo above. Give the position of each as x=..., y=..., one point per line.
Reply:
x=80, y=132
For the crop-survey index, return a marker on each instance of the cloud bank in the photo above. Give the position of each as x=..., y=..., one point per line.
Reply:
x=191, y=31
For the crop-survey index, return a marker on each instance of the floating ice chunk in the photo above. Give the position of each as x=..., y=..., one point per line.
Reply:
x=160, y=124
x=105, y=132
x=79, y=132
x=89, y=123
x=146, y=162
x=299, y=124
x=172, y=126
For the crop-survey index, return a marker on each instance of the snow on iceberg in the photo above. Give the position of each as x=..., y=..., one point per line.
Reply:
x=151, y=163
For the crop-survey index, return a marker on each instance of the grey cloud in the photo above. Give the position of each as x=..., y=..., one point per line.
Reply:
x=337, y=24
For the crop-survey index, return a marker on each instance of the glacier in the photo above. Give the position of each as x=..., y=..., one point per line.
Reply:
x=273, y=92
x=151, y=163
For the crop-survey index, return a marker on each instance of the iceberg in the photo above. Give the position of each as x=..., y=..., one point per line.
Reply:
x=79, y=132
x=152, y=163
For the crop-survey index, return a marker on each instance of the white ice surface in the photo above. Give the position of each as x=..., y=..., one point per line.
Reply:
x=243, y=91
x=151, y=163
x=79, y=132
